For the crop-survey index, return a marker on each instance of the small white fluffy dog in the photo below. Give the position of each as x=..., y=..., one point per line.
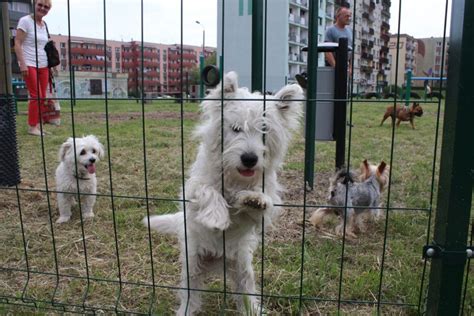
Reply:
x=88, y=152
x=254, y=144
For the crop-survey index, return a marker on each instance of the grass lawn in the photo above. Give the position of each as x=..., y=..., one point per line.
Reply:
x=146, y=153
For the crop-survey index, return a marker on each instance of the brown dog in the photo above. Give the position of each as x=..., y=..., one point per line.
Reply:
x=402, y=113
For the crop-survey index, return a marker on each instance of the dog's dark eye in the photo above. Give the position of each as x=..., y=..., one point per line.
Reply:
x=236, y=128
x=93, y=151
x=83, y=152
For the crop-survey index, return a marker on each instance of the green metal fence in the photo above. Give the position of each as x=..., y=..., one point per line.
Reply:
x=415, y=261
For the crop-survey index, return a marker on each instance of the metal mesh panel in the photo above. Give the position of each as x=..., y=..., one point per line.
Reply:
x=9, y=165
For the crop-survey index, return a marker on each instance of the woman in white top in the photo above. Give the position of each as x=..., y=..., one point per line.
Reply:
x=29, y=47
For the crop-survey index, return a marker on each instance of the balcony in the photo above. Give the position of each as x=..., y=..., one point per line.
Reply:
x=372, y=6
x=366, y=69
x=385, y=25
x=300, y=3
x=384, y=49
x=89, y=51
x=138, y=54
x=130, y=64
x=174, y=75
x=385, y=37
x=153, y=74
x=371, y=44
x=150, y=64
x=91, y=62
x=383, y=60
x=365, y=15
x=293, y=38
x=371, y=31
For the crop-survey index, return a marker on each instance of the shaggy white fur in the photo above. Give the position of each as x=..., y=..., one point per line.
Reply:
x=232, y=187
x=88, y=152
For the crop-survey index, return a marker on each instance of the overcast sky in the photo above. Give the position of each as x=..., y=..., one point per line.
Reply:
x=162, y=19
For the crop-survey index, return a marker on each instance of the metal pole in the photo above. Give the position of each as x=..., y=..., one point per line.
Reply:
x=340, y=104
x=456, y=174
x=5, y=54
x=202, y=60
x=408, y=88
x=310, y=133
x=257, y=45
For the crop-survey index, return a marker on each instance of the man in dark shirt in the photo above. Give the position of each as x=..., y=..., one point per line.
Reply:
x=333, y=34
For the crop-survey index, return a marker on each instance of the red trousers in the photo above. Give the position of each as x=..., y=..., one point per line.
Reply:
x=37, y=78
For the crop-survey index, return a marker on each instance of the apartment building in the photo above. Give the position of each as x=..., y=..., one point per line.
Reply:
x=287, y=33
x=88, y=54
x=429, y=57
x=161, y=66
x=371, y=40
x=407, y=51
x=186, y=58
x=142, y=63
x=161, y=63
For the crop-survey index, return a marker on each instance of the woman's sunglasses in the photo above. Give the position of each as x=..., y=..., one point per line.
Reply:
x=46, y=7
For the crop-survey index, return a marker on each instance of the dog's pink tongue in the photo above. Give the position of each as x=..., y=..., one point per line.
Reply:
x=91, y=168
x=247, y=172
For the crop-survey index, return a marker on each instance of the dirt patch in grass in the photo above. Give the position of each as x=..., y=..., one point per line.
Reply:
x=120, y=117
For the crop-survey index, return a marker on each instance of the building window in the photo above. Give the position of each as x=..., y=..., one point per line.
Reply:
x=19, y=7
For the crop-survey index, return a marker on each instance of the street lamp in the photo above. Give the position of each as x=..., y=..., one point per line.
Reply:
x=202, y=59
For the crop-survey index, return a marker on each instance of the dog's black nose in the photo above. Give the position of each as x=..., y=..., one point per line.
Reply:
x=249, y=159
x=92, y=160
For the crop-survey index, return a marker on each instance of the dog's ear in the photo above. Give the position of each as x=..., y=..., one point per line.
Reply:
x=381, y=167
x=65, y=148
x=230, y=82
x=99, y=146
x=365, y=169
x=288, y=103
x=101, y=151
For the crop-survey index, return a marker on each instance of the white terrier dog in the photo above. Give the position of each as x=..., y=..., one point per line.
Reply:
x=225, y=191
x=88, y=152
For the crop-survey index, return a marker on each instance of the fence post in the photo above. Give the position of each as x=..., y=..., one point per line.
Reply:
x=408, y=88
x=257, y=46
x=340, y=104
x=456, y=173
x=310, y=132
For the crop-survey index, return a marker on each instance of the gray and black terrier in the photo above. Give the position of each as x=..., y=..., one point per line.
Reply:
x=364, y=191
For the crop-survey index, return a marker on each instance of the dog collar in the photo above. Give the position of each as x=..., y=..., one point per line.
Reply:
x=81, y=178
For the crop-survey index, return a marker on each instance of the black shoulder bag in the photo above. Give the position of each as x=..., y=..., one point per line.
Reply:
x=51, y=51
